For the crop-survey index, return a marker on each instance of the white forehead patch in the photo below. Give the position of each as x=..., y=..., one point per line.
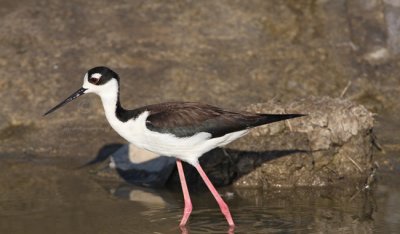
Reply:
x=96, y=75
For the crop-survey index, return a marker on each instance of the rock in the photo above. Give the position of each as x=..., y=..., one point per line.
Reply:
x=142, y=167
x=134, y=165
x=334, y=142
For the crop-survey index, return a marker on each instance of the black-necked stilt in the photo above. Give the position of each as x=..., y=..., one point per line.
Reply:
x=184, y=130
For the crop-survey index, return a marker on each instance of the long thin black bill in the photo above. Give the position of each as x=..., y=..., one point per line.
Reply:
x=78, y=93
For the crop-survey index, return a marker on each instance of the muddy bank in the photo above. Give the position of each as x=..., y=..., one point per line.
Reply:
x=225, y=53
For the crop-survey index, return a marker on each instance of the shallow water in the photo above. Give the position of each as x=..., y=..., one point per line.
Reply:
x=50, y=196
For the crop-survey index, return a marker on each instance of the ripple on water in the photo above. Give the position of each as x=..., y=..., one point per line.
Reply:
x=249, y=219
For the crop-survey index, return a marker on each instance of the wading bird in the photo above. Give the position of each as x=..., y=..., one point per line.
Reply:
x=184, y=130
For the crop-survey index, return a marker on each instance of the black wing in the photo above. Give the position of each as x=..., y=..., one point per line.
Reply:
x=184, y=119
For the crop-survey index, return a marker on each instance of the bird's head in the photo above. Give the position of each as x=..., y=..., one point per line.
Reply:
x=99, y=80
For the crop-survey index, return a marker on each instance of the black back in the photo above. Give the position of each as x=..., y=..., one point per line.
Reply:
x=185, y=119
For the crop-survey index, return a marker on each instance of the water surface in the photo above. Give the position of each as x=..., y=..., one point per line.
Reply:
x=50, y=196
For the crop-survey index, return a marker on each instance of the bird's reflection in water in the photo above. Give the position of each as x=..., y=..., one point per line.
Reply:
x=145, y=196
x=165, y=206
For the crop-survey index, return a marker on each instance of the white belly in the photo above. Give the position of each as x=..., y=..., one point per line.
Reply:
x=188, y=149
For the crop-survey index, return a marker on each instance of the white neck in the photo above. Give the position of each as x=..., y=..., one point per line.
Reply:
x=109, y=98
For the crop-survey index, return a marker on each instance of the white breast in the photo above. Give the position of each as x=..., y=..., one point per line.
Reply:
x=188, y=149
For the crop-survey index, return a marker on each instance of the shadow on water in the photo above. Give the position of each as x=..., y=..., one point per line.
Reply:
x=103, y=154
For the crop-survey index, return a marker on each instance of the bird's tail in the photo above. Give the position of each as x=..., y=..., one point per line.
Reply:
x=270, y=118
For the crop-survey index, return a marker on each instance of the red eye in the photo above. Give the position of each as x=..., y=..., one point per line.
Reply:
x=93, y=80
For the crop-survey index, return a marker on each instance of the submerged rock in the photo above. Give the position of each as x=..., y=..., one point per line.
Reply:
x=142, y=167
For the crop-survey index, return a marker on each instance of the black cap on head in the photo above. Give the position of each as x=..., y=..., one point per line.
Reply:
x=101, y=75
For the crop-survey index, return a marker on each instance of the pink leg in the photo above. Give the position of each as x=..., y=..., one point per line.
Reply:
x=186, y=196
x=222, y=205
